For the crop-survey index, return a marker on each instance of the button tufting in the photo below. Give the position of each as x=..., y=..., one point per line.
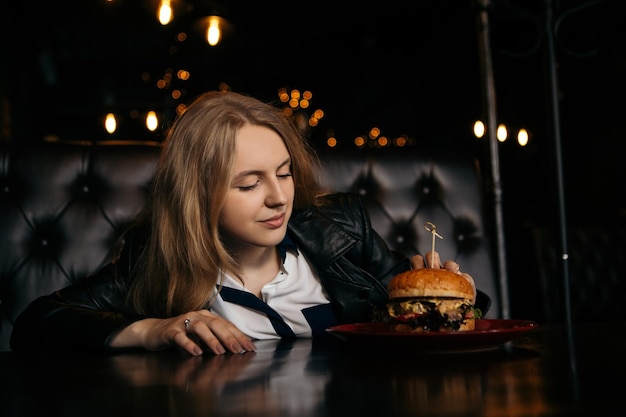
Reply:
x=398, y=205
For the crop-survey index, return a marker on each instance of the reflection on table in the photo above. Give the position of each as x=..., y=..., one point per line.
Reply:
x=539, y=374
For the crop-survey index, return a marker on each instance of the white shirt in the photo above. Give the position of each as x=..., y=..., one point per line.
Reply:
x=296, y=294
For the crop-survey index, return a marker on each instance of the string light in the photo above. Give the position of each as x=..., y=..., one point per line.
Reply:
x=165, y=13
x=110, y=124
x=152, y=121
x=214, y=31
x=502, y=133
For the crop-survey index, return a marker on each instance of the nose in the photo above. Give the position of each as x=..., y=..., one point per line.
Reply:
x=276, y=194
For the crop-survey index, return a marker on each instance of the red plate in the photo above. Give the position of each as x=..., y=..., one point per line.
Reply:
x=488, y=334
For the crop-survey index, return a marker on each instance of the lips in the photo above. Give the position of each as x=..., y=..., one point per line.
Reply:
x=275, y=222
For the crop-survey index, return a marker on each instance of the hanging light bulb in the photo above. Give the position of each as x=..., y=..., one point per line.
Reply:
x=479, y=129
x=110, y=124
x=214, y=30
x=502, y=133
x=522, y=137
x=152, y=121
x=165, y=13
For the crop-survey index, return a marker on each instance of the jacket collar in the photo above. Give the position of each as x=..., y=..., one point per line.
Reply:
x=320, y=239
x=286, y=245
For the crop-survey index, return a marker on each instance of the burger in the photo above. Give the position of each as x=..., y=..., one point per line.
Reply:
x=431, y=299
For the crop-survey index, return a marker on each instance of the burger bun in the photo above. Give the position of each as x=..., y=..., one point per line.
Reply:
x=429, y=283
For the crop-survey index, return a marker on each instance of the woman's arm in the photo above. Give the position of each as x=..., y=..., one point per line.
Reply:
x=81, y=316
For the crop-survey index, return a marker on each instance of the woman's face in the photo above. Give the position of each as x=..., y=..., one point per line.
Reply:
x=260, y=199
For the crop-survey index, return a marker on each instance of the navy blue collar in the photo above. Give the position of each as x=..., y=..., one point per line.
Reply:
x=286, y=245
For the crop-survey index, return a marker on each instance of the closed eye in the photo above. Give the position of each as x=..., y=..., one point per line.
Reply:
x=248, y=187
x=258, y=175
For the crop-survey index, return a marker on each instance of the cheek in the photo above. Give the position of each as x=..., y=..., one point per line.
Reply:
x=234, y=208
x=239, y=209
x=290, y=191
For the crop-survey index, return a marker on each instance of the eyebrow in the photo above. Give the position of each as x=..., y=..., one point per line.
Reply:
x=255, y=171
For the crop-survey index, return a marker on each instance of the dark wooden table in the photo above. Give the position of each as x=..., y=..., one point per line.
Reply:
x=540, y=374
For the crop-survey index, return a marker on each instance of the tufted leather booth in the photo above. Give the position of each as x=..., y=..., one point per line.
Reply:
x=404, y=188
x=62, y=206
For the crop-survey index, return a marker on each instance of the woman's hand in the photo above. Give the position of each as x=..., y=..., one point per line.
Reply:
x=190, y=331
x=432, y=260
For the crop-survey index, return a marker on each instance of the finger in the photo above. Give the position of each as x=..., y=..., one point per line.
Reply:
x=219, y=333
x=196, y=331
x=185, y=342
x=452, y=266
x=232, y=338
x=470, y=279
x=184, y=338
x=432, y=259
x=417, y=262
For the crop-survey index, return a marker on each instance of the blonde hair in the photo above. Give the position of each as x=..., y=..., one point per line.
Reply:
x=179, y=267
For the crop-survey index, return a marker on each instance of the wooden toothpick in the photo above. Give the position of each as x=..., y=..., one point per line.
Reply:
x=433, y=230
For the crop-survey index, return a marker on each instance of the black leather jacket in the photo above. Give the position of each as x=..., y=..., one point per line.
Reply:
x=352, y=261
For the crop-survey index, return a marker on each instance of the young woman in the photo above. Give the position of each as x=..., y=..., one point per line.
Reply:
x=236, y=244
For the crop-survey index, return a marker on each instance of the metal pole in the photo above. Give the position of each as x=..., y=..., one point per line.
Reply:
x=554, y=109
x=490, y=102
x=554, y=112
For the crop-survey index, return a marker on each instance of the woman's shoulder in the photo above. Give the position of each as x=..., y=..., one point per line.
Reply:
x=328, y=227
x=343, y=209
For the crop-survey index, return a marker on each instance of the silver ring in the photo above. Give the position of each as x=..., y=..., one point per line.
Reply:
x=187, y=323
